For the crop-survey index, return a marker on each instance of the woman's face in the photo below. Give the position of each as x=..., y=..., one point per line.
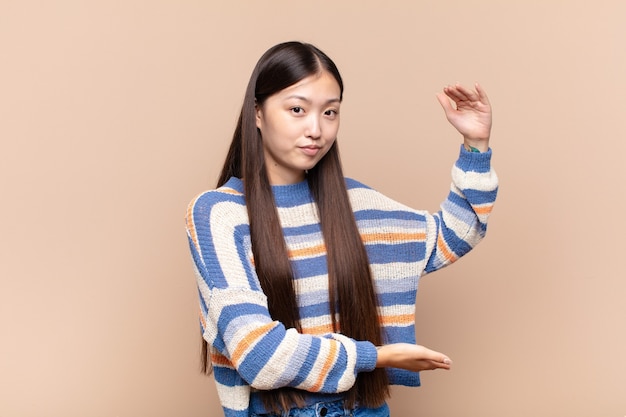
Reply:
x=298, y=126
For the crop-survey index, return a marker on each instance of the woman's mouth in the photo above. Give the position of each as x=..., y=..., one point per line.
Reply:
x=310, y=150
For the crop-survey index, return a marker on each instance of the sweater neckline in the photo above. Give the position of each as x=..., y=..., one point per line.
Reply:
x=288, y=194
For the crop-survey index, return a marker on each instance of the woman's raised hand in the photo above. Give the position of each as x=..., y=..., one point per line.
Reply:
x=471, y=114
x=411, y=357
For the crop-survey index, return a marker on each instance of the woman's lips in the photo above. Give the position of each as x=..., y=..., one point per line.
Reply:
x=310, y=150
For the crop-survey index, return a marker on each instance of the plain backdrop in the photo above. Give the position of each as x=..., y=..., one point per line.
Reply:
x=114, y=114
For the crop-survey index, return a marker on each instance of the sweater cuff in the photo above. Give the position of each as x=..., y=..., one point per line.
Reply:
x=367, y=355
x=474, y=161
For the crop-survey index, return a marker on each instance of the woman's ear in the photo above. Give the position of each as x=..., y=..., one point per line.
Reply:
x=259, y=114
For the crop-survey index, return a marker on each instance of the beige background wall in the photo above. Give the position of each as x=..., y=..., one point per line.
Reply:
x=114, y=114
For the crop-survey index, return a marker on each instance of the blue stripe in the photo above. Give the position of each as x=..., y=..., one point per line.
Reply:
x=458, y=201
x=403, y=377
x=226, y=376
x=331, y=383
x=395, y=286
x=307, y=365
x=309, y=267
x=464, y=213
x=219, y=344
x=234, y=311
x=242, y=232
x=404, y=333
x=352, y=184
x=315, y=310
x=401, y=252
x=203, y=307
x=480, y=197
x=397, y=298
x=258, y=357
x=292, y=368
x=455, y=243
x=389, y=216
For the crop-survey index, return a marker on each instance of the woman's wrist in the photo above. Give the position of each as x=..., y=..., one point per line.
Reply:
x=470, y=148
x=381, y=358
x=476, y=145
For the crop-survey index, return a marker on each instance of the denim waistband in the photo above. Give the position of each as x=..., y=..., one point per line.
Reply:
x=257, y=405
x=334, y=408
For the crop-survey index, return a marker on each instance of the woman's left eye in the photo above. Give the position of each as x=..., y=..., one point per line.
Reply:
x=330, y=112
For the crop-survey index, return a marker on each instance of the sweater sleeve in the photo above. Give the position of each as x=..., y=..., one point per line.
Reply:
x=234, y=314
x=462, y=220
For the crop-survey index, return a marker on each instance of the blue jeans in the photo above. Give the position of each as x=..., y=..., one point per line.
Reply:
x=331, y=409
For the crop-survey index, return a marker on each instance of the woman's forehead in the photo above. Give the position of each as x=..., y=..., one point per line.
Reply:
x=317, y=86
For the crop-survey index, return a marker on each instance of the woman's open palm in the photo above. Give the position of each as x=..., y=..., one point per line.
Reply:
x=471, y=115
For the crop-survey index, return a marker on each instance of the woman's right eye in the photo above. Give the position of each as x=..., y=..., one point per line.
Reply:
x=297, y=110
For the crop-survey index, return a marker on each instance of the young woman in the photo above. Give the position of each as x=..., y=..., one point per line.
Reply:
x=307, y=280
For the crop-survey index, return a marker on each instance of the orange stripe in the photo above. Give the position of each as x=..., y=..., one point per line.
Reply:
x=202, y=319
x=443, y=248
x=220, y=360
x=308, y=252
x=400, y=318
x=249, y=340
x=483, y=209
x=369, y=237
x=384, y=320
x=322, y=329
x=329, y=361
x=190, y=224
x=230, y=191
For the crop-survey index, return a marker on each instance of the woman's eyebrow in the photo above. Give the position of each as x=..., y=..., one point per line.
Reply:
x=298, y=97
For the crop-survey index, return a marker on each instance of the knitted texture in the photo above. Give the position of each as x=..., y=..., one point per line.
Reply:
x=251, y=351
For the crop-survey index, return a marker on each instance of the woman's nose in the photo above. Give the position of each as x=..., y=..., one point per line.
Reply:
x=314, y=129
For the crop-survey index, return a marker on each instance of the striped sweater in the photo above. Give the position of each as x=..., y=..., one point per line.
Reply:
x=250, y=351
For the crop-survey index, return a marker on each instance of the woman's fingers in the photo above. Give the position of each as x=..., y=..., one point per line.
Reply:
x=482, y=95
x=459, y=93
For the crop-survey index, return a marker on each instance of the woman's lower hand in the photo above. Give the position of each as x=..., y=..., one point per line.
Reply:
x=411, y=357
